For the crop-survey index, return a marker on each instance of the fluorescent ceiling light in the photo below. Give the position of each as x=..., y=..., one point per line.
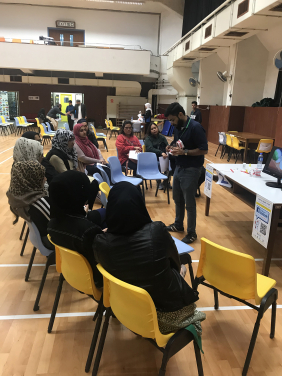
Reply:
x=119, y=2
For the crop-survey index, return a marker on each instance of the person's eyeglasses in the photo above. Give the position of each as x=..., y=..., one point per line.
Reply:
x=128, y=127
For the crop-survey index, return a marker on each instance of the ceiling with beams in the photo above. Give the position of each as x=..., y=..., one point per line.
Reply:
x=152, y=6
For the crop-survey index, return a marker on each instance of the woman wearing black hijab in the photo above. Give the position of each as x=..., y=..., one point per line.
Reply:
x=31, y=135
x=70, y=226
x=142, y=253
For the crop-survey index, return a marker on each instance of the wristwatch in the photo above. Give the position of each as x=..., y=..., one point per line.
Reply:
x=185, y=152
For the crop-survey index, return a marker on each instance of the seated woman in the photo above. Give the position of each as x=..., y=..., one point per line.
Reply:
x=92, y=138
x=70, y=226
x=31, y=136
x=28, y=198
x=142, y=253
x=125, y=142
x=88, y=155
x=63, y=156
x=27, y=150
x=155, y=142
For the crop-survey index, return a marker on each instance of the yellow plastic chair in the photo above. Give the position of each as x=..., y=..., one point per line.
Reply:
x=265, y=146
x=107, y=126
x=76, y=270
x=16, y=41
x=233, y=274
x=45, y=136
x=104, y=187
x=144, y=148
x=135, y=309
x=113, y=129
x=100, y=137
x=236, y=146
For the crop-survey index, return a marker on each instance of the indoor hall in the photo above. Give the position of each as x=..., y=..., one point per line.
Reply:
x=116, y=57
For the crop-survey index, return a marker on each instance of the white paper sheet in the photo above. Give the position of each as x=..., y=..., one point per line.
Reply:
x=164, y=164
x=133, y=154
x=222, y=180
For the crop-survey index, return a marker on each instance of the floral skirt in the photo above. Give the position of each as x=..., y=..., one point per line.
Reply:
x=173, y=321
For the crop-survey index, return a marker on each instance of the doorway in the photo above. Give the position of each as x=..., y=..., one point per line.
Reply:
x=63, y=99
x=67, y=37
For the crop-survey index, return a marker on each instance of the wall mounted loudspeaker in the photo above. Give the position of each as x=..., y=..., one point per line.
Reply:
x=224, y=76
x=278, y=60
x=193, y=82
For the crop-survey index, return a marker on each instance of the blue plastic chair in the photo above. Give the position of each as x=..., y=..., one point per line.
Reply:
x=26, y=122
x=47, y=130
x=100, y=180
x=148, y=169
x=36, y=241
x=117, y=175
x=104, y=176
x=66, y=125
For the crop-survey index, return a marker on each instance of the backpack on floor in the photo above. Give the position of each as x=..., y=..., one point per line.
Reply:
x=201, y=180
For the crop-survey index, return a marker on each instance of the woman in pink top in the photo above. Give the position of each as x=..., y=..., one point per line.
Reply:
x=125, y=142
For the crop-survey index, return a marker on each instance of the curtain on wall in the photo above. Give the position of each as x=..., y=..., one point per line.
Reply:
x=196, y=10
x=278, y=91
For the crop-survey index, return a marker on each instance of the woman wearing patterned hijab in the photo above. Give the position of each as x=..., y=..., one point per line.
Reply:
x=27, y=150
x=27, y=196
x=63, y=156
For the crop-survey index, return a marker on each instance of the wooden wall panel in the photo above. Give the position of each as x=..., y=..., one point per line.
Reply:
x=218, y=122
x=278, y=134
x=261, y=120
x=95, y=98
x=236, y=118
x=205, y=118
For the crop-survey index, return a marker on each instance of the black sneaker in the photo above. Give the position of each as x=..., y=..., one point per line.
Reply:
x=189, y=238
x=173, y=228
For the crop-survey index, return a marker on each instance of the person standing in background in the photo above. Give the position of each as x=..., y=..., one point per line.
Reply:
x=196, y=113
x=52, y=114
x=148, y=116
x=79, y=111
x=69, y=109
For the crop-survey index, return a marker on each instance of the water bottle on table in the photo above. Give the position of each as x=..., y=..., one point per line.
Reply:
x=259, y=165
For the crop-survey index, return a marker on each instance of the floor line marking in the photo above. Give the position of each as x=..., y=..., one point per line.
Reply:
x=6, y=159
x=208, y=160
x=17, y=265
x=91, y=314
x=7, y=150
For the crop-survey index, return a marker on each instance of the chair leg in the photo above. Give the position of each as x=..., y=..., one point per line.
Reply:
x=157, y=190
x=50, y=261
x=143, y=190
x=56, y=303
x=105, y=144
x=30, y=264
x=21, y=236
x=25, y=240
x=217, y=150
x=252, y=346
x=273, y=319
x=102, y=342
x=100, y=310
x=146, y=185
x=198, y=359
x=191, y=272
x=215, y=292
x=168, y=199
x=151, y=184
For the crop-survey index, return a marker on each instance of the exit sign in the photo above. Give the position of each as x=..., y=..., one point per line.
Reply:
x=66, y=24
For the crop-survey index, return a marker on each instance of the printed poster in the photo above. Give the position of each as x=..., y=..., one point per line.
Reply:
x=262, y=220
x=208, y=181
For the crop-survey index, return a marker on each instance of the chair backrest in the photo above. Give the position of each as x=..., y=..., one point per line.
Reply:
x=67, y=126
x=107, y=124
x=104, y=187
x=229, y=271
x=265, y=146
x=42, y=130
x=37, y=121
x=111, y=124
x=235, y=142
x=116, y=171
x=221, y=138
x=104, y=175
x=24, y=119
x=144, y=148
x=98, y=177
x=17, y=122
x=2, y=120
x=77, y=271
x=133, y=307
x=137, y=126
x=36, y=241
x=147, y=163
x=21, y=120
x=228, y=140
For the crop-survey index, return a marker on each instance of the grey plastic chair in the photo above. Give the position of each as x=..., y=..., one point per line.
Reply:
x=104, y=175
x=100, y=180
x=36, y=241
x=117, y=175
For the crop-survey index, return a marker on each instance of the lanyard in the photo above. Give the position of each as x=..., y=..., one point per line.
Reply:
x=185, y=128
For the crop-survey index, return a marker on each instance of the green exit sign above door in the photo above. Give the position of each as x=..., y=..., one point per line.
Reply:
x=66, y=24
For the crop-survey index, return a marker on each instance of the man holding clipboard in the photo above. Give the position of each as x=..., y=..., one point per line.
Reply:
x=189, y=147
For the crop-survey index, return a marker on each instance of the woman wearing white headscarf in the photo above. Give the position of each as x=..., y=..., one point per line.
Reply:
x=27, y=150
x=148, y=116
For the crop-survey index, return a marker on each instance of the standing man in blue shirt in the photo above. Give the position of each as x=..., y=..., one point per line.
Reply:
x=189, y=147
x=196, y=113
x=69, y=109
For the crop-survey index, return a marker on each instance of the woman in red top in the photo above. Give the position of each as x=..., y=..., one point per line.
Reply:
x=125, y=142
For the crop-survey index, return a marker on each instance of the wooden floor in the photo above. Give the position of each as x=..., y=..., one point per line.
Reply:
x=26, y=349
